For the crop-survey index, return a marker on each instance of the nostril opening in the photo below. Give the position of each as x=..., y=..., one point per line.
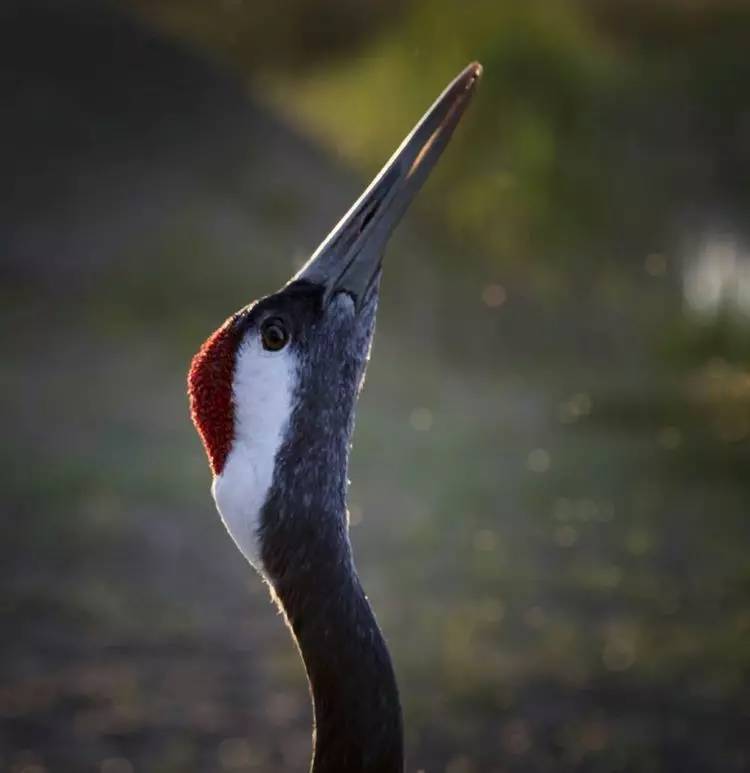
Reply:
x=367, y=218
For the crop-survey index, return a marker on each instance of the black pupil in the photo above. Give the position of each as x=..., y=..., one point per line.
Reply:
x=274, y=335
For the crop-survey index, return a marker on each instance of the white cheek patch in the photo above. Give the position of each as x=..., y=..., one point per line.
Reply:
x=263, y=386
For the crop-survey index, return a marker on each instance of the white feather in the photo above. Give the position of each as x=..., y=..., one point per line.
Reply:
x=264, y=383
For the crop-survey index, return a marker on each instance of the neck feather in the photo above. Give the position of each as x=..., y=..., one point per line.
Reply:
x=355, y=699
x=306, y=557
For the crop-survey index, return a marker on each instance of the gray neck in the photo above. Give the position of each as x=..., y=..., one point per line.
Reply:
x=306, y=554
x=355, y=698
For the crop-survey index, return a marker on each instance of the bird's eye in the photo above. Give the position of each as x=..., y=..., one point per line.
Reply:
x=274, y=334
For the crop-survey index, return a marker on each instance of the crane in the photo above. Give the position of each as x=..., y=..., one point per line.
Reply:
x=272, y=394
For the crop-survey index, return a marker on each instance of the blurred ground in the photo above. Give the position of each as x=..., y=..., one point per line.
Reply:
x=550, y=490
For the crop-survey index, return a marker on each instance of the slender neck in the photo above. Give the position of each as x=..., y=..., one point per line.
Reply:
x=357, y=712
x=307, y=558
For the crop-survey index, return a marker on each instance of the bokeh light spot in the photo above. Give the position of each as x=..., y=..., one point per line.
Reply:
x=669, y=438
x=538, y=460
x=494, y=296
x=516, y=737
x=491, y=610
x=460, y=764
x=535, y=618
x=566, y=536
x=235, y=754
x=655, y=264
x=575, y=407
x=421, y=419
x=485, y=541
x=116, y=765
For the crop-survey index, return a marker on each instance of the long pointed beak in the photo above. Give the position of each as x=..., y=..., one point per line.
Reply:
x=350, y=256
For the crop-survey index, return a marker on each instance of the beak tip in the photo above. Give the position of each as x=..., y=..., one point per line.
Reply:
x=467, y=79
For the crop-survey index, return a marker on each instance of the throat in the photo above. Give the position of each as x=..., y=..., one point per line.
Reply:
x=358, y=726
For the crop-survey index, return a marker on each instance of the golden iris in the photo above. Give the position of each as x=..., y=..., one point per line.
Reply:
x=274, y=334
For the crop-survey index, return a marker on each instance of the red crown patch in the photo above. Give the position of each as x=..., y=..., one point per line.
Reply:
x=210, y=391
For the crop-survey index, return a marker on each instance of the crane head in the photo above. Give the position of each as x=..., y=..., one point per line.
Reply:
x=273, y=390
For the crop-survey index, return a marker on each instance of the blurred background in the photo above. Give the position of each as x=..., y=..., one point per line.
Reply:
x=551, y=489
